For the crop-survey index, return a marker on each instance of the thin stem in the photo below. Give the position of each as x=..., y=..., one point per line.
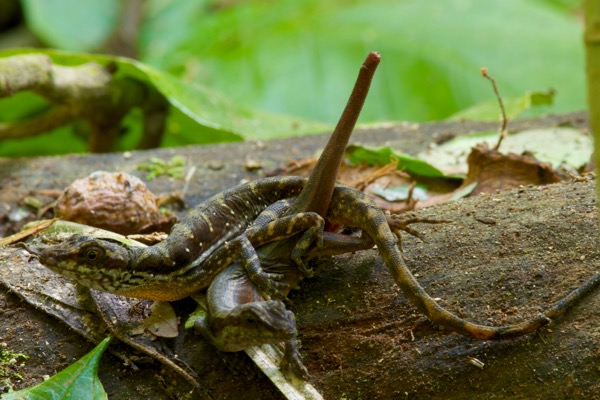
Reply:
x=319, y=189
x=504, y=121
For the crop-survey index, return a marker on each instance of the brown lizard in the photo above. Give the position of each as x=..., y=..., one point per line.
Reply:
x=240, y=317
x=176, y=267
x=234, y=303
x=214, y=232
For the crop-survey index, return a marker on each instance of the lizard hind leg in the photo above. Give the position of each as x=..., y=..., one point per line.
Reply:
x=312, y=236
x=399, y=223
x=270, y=284
x=308, y=225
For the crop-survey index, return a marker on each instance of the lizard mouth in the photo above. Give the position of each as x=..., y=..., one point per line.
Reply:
x=44, y=255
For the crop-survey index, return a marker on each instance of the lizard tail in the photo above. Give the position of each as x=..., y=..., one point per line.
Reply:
x=440, y=316
x=368, y=217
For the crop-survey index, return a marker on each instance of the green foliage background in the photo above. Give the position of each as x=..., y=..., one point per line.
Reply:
x=300, y=58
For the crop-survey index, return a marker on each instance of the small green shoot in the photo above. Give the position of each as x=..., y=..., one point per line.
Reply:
x=157, y=167
x=8, y=359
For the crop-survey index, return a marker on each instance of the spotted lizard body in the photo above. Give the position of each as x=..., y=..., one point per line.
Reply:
x=212, y=236
x=176, y=267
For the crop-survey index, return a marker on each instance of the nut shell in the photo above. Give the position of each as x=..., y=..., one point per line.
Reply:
x=115, y=201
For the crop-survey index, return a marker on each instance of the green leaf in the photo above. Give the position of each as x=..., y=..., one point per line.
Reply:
x=72, y=24
x=385, y=155
x=199, y=313
x=301, y=57
x=78, y=381
x=211, y=109
x=515, y=106
x=198, y=115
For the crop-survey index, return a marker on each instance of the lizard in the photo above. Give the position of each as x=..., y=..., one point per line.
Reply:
x=234, y=302
x=176, y=267
x=239, y=316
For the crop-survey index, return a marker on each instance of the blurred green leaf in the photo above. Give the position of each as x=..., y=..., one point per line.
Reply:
x=72, y=24
x=198, y=115
x=490, y=110
x=77, y=381
x=301, y=57
x=21, y=105
x=568, y=5
x=385, y=155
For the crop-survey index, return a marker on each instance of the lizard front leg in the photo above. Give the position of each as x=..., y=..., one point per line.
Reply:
x=308, y=226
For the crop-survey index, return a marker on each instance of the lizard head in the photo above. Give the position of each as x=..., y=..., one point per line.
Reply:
x=102, y=264
x=253, y=324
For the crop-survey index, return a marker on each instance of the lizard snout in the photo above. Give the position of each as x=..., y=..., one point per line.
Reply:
x=41, y=253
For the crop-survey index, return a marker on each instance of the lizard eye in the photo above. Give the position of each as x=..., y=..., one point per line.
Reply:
x=250, y=321
x=92, y=253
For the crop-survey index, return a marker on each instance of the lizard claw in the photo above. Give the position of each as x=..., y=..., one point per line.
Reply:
x=291, y=364
x=305, y=270
x=270, y=285
x=399, y=223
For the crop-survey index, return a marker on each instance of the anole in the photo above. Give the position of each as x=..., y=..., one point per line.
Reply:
x=176, y=267
x=213, y=235
x=239, y=316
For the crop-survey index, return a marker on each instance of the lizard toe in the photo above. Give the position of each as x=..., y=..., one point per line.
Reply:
x=278, y=290
x=291, y=364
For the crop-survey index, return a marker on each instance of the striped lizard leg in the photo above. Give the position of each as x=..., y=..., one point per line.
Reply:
x=271, y=222
x=308, y=225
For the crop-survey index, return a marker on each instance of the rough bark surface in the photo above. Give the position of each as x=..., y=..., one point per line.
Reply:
x=504, y=258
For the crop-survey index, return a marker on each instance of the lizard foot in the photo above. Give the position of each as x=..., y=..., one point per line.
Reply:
x=270, y=285
x=399, y=223
x=304, y=269
x=312, y=237
x=291, y=364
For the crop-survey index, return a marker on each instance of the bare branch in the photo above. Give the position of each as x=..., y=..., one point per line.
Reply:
x=89, y=91
x=52, y=119
x=504, y=118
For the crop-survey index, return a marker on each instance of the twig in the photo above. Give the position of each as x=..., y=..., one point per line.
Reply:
x=49, y=120
x=504, y=120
